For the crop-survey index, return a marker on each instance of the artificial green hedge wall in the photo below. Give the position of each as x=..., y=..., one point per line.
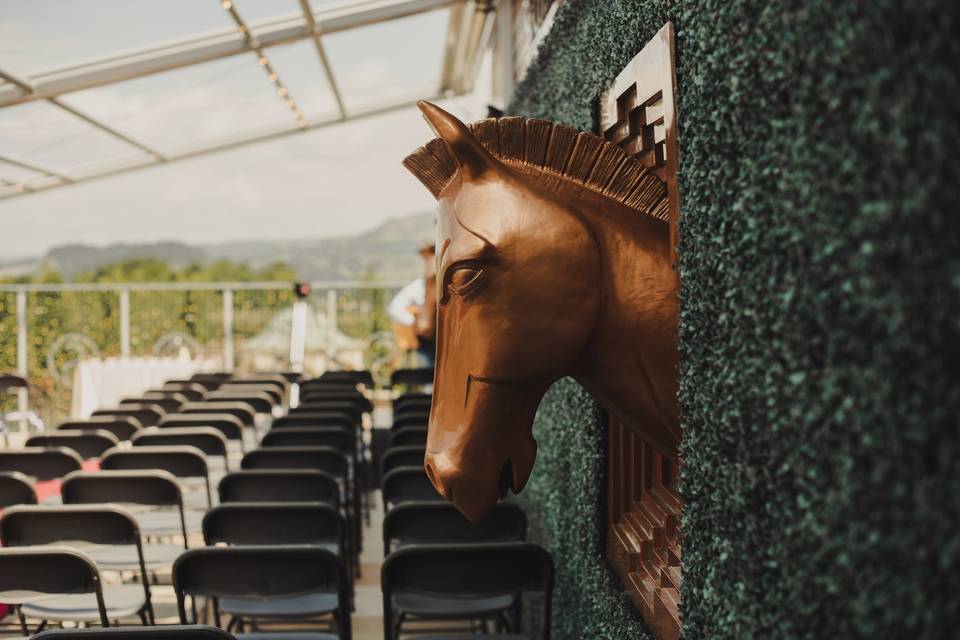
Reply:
x=820, y=266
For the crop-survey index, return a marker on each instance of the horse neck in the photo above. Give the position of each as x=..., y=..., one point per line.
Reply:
x=630, y=363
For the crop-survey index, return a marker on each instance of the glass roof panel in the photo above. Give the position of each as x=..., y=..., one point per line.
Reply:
x=48, y=34
x=15, y=174
x=298, y=65
x=391, y=58
x=254, y=10
x=40, y=132
x=183, y=105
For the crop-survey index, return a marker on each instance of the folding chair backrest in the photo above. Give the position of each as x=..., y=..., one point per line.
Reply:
x=355, y=398
x=207, y=385
x=339, y=438
x=395, y=457
x=469, y=570
x=42, y=464
x=149, y=414
x=16, y=488
x=229, y=425
x=181, y=461
x=315, y=419
x=86, y=444
x=192, y=392
x=9, y=381
x=123, y=427
x=156, y=488
x=334, y=462
x=411, y=377
x=218, y=377
x=277, y=394
x=51, y=570
x=327, y=406
x=413, y=402
x=100, y=524
x=207, y=439
x=158, y=632
x=170, y=403
x=355, y=376
x=275, y=485
x=408, y=484
x=261, y=572
x=441, y=522
x=241, y=410
x=273, y=523
x=410, y=419
x=408, y=436
x=258, y=401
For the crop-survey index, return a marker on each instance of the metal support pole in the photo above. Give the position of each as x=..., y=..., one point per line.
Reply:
x=124, y=323
x=22, y=359
x=331, y=326
x=228, y=330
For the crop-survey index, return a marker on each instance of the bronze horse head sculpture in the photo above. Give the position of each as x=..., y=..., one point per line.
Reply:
x=553, y=259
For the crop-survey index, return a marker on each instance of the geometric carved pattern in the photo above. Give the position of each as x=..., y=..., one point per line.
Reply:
x=638, y=114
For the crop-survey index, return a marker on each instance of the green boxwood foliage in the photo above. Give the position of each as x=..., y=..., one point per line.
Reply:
x=820, y=266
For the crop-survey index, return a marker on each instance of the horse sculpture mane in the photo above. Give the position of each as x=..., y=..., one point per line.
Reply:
x=577, y=156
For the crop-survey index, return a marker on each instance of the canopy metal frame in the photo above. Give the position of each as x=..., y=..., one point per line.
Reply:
x=469, y=33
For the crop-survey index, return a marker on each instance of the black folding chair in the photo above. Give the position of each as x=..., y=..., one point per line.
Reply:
x=241, y=410
x=259, y=401
x=340, y=438
x=477, y=581
x=155, y=488
x=355, y=411
x=419, y=419
x=31, y=575
x=184, y=462
x=261, y=575
x=170, y=403
x=86, y=444
x=42, y=464
x=148, y=414
x=407, y=437
x=326, y=392
x=441, y=522
x=277, y=394
x=9, y=384
x=407, y=484
x=416, y=377
x=16, y=488
x=192, y=392
x=123, y=427
x=413, y=402
x=395, y=457
x=162, y=632
x=354, y=376
x=100, y=525
x=315, y=419
x=209, y=440
x=275, y=485
x=228, y=424
x=212, y=378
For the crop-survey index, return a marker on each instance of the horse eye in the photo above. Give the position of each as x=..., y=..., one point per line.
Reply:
x=462, y=278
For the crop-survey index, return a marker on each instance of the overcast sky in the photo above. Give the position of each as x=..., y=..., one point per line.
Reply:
x=328, y=182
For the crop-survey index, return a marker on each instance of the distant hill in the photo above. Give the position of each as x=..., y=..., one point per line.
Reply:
x=388, y=251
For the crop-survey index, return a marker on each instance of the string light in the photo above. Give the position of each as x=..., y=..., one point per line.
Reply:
x=226, y=4
x=263, y=61
x=282, y=92
x=20, y=188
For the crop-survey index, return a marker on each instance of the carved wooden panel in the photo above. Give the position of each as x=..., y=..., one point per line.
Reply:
x=638, y=114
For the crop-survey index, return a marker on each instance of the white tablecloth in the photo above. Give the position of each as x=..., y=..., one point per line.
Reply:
x=100, y=384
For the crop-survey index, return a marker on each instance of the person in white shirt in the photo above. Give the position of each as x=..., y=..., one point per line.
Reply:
x=414, y=310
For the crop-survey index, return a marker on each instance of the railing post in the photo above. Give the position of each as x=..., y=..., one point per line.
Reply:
x=22, y=355
x=331, y=326
x=124, y=323
x=228, y=329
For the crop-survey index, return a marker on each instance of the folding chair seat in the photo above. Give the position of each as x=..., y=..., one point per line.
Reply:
x=157, y=489
x=86, y=444
x=260, y=574
x=148, y=414
x=476, y=581
x=407, y=484
x=32, y=575
x=170, y=402
x=192, y=392
x=186, y=463
x=315, y=419
x=123, y=427
x=276, y=485
x=408, y=436
x=395, y=457
x=241, y=410
x=16, y=488
x=100, y=525
x=162, y=632
x=410, y=419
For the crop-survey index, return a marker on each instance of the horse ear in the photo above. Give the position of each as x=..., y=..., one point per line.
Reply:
x=470, y=155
